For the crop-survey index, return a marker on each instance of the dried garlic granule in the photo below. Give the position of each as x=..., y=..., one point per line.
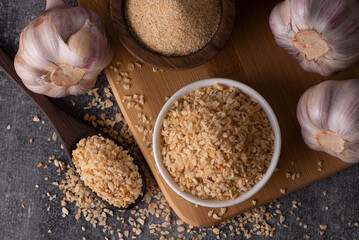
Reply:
x=108, y=170
x=176, y=27
x=217, y=142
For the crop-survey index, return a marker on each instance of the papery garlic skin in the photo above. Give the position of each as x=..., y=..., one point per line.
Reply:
x=63, y=50
x=329, y=29
x=328, y=114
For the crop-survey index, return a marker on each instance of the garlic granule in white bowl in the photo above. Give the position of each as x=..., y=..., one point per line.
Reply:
x=211, y=155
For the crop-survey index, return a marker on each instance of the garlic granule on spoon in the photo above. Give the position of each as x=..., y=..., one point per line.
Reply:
x=108, y=170
x=323, y=35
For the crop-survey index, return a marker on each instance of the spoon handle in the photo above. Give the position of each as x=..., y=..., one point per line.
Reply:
x=69, y=129
x=7, y=65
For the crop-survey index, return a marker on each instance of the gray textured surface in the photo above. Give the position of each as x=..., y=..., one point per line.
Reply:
x=19, y=174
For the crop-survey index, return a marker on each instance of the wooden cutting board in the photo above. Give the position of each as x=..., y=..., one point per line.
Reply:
x=251, y=57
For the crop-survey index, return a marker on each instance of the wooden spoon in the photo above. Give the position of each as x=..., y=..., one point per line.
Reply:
x=69, y=129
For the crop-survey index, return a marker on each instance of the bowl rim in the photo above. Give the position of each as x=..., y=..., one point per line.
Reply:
x=203, y=55
x=186, y=90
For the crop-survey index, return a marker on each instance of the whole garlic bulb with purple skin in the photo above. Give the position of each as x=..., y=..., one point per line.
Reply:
x=323, y=35
x=328, y=114
x=63, y=50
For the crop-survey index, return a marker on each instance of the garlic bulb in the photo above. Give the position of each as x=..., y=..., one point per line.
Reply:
x=329, y=116
x=63, y=50
x=323, y=35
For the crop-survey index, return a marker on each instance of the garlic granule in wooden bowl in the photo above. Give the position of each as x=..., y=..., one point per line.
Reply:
x=217, y=143
x=173, y=28
x=108, y=170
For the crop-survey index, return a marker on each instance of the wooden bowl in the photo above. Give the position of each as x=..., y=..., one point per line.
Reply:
x=192, y=60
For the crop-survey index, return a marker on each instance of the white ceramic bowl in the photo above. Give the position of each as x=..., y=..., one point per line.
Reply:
x=157, y=138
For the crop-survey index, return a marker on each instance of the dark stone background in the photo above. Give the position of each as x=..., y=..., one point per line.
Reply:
x=19, y=174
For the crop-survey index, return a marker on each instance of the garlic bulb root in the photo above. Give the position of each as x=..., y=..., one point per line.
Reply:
x=328, y=114
x=311, y=44
x=331, y=141
x=322, y=35
x=63, y=50
x=64, y=75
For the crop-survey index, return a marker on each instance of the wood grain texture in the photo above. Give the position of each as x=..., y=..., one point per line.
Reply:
x=252, y=57
x=218, y=41
x=70, y=130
